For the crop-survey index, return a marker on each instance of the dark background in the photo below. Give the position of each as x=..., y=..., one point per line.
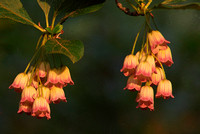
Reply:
x=97, y=103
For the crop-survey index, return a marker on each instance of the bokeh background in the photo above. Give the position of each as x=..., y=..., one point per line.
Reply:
x=97, y=103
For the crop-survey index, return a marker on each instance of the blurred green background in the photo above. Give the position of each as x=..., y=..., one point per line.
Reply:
x=97, y=103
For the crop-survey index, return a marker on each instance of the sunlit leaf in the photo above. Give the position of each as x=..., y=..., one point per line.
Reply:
x=45, y=6
x=57, y=29
x=178, y=4
x=13, y=9
x=74, y=49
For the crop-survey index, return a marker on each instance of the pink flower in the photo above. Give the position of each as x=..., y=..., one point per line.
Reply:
x=130, y=64
x=28, y=95
x=65, y=76
x=20, y=82
x=133, y=84
x=145, y=98
x=43, y=69
x=156, y=39
x=158, y=76
x=41, y=108
x=57, y=95
x=53, y=77
x=144, y=71
x=32, y=78
x=164, y=89
x=140, y=56
x=44, y=92
x=150, y=59
x=25, y=107
x=165, y=56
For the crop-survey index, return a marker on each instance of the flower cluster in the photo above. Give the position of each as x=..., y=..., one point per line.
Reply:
x=41, y=86
x=145, y=69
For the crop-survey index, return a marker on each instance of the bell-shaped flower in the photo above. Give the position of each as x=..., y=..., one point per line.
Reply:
x=144, y=71
x=25, y=107
x=156, y=38
x=150, y=59
x=44, y=92
x=52, y=78
x=164, y=89
x=133, y=84
x=165, y=56
x=41, y=108
x=43, y=69
x=28, y=95
x=65, y=77
x=145, y=98
x=158, y=76
x=140, y=56
x=57, y=95
x=20, y=82
x=130, y=64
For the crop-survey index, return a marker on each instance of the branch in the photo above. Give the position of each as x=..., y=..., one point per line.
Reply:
x=127, y=10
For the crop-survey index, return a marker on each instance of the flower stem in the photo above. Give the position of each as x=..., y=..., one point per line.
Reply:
x=135, y=42
x=36, y=52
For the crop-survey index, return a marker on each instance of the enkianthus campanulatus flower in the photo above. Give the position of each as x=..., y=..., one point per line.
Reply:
x=145, y=68
x=40, y=87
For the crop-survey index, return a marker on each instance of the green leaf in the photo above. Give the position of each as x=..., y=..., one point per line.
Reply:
x=87, y=10
x=45, y=6
x=74, y=49
x=178, y=4
x=57, y=29
x=66, y=6
x=171, y=1
x=13, y=9
x=49, y=30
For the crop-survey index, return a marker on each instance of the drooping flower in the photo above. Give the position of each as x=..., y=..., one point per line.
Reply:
x=20, y=82
x=57, y=95
x=43, y=69
x=150, y=59
x=53, y=77
x=25, y=107
x=44, y=92
x=164, y=89
x=144, y=71
x=28, y=95
x=65, y=77
x=130, y=64
x=140, y=56
x=41, y=108
x=156, y=39
x=133, y=84
x=158, y=76
x=145, y=98
x=165, y=56
x=32, y=78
